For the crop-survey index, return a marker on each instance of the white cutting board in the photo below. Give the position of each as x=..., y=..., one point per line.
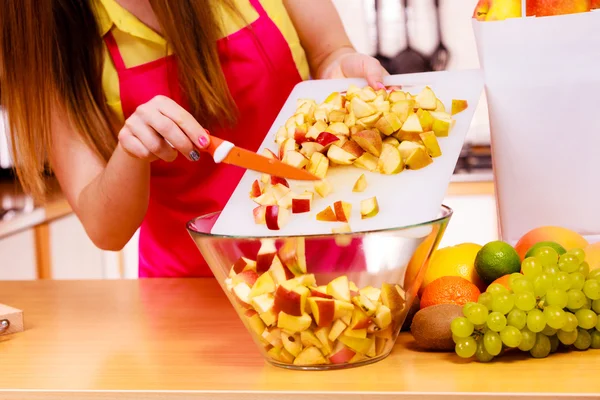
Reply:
x=410, y=197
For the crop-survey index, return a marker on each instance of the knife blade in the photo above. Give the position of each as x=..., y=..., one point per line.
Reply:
x=224, y=151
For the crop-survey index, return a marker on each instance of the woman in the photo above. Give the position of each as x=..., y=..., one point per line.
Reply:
x=109, y=92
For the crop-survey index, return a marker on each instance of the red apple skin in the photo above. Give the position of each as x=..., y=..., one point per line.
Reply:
x=276, y=179
x=269, y=154
x=247, y=276
x=250, y=313
x=326, y=309
x=260, y=215
x=288, y=301
x=343, y=356
x=317, y=293
x=300, y=206
x=239, y=265
x=272, y=217
x=326, y=138
x=255, y=191
x=300, y=137
x=264, y=261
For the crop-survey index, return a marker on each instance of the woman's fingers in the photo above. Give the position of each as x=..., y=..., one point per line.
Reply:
x=184, y=120
x=133, y=146
x=358, y=65
x=154, y=142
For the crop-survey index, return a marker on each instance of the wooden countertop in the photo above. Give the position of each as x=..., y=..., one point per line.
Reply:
x=181, y=339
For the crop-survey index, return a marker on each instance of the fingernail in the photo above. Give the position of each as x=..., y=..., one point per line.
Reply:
x=194, y=155
x=380, y=85
x=203, y=140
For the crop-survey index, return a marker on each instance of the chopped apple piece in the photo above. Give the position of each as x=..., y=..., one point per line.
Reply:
x=337, y=115
x=265, y=255
x=459, y=106
x=335, y=100
x=352, y=91
x=426, y=99
x=382, y=106
x=255, y=323
x=363, y=302
x=276, y=217
x=360, y=319
x=264, y=302
x=357, y=333
x=264, y=284
x=273, y=337
x=302, y=203
x=431, y=143
x=315, y=130
x=326, y=139
x=321, y=292
x=412, y=124
x=323, y=310
x=396, y=96
x=293, y=255
x=442, y=123
x=408, y=147
x=341, y=354
x=418, y=159
x=310, y=356
x=291, y=343
x=266, y=199
x=242, y=292
x=286, y=201
x=277, y=180
x=290, y=298
x=323, y=335
x=323, y=187
x=295, y=159
x=338, y=128
x=369, y=208
x=255, y=191
x=279, y=191
x=358, y=358
x=339, y=289
x=403, y=109
x=327, y=215
x=362, y=109
x=280, y=136
x=373, y=349
x=426, y=120
x=360, y=185
x=393, y=141
x=336, y=330
x=384, y=333
x=342, y=210
x=321, y=115
x=269, y=317
x=249, y=277
x=279, y=273
x=350, y=119
x=242, y=264
x=353, y=148
x=390, y=161
x=367, y=94
x=339, y=156
x=367, y=161
x=370, y=121
x=383, y=317
x=293, y=323
x=371, y=292
x=392, y=296
x=342, y=241
x=318, y=165
x=307, y=280
x=359, y=345
x=287, y=145
x=343, y=309
x=380, y=345
x=440, y=106
x=370, y=141
x=308, y=339
x=388, y=123
x=308, y=148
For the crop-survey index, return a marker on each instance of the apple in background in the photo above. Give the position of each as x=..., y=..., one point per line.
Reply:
x=291, y=343
x=327, y=215
x=318, y=165
x=279, y=273
x=276, y=180
x=242, y=264
x=308, y=339
x=459, y=106
x=545, y=8
x=255, y=191
x=323, y=310
x=367, y=161
x=481, y=10
x=265, y=255
x=310, y=356
x=323, y=188
x=339, y=289
x=295, y=159
x=341, y=354
x=360, y=185
x=249, y=277
x=263, y=284
x=323, y=335
x=393, y=141
x=370, y=141
x=339, y=156
x=308, y=148
x=292, y=323
x=369, y=208
x=342, y=210
x=290, y=298
x=255, y=323
x=390, y=162
x=431, y=143
x=353, y=148
x=276, y=217
x=336, y=330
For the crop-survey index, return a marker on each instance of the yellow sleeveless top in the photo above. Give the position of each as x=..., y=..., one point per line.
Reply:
x=139, y=44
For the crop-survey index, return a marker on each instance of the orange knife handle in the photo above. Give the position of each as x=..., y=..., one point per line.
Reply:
x=218, y=148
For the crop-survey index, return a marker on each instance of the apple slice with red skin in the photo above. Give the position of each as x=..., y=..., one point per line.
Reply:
x=316, y=292
x=279, y=272
x=326, y=139
x=242, y=264
x=249, y=277
x=327, y=215
x=260, y=215
x=255, y=191
x=323, y=310
x=302, y=203
x=263, y=284
x=290, y=297
x=264, y=257
x=277, y=180
x=293, y=255
x=276, y=217
x=269, y=154
x=360, y=319
x=353, y=148
x=341, y=354
x=342, y=210
x=308, y=148
x=287, y=145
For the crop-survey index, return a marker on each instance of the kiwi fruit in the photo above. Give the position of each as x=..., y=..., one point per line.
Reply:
x=431, y=327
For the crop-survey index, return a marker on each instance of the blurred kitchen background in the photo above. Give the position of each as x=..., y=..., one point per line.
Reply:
x=48, y=242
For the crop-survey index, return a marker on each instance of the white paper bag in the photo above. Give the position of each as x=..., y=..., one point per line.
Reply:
x=542, y=78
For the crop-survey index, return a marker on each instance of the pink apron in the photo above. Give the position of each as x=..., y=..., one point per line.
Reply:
x=258, y=64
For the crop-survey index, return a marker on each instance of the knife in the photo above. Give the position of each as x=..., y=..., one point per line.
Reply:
x=226, y=152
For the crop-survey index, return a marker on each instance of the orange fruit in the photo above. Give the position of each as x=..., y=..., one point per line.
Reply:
x=592, y=255
x=504, y=281
x=419, y=259
x=454, y=261
x=449, y=290
x=563, y=236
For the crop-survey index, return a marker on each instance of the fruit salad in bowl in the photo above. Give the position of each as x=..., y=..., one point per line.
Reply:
x=323, y=301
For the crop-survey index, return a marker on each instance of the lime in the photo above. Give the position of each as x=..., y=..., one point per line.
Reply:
x=496, y=259
x=559, y=249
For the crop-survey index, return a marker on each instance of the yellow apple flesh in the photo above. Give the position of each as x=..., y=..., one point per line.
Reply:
x=292, y=343
x=327, y=215
x=292, y=323
x=339, y=156
x=369, y=208
x=323, y=187
x=310, y=356
x=459, y=106
x=360, y=185
x=431, y=143
x=426, y=99
x=418, y=159
x=338, y=288
x=367, y=161
x=370, y=141
x=390, y=161
x=336, y=330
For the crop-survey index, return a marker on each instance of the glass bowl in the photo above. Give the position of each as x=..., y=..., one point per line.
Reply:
x=325, y=301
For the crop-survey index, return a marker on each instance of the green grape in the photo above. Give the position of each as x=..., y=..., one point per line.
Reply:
x=542, y=346
x=496, y=322
x=486, y=299
x=557, y=297
x=510, y=336
x=541, y=284
x=554, y=343
x=595, y=340
x=503, y=302
x=476, y=314
x=579, y=252
x=456, y=339
x=467, y=306
x=588, y=304
x=466, y=348
x=547, y=256
x=584, y=268
x=522, y=285
x=562, y=281
x=587, y=319
x=536, y=321
x=567, y=338
x=591, y=288
x=555, y=317
x=527, y=340
x=482, y=354
x=531, y=267
x=595, y=274
x=549, y=331
x=495, y=288
x=576, y=299
x=492, y=343
x=569, y=262
x=577, y=280
x=513, y=277
x=461, y=327
x=525, y=301
x=596, y=306
x=583, y=341
x=571, y=324
x=517, y=318
x=551, y=270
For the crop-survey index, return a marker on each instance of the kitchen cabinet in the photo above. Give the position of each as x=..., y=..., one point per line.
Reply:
x=18, y=256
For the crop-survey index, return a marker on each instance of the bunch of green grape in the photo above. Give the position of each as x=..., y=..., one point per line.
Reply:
x=553, y=302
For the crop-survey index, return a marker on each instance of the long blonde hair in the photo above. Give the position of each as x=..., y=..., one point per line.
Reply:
x=51, y=51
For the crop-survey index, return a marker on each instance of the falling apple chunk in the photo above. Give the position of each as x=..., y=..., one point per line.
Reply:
x=360, y=185
x=426, y=99
x=431, y=143
x=367, y=161
x=442, y=123
x=369, y=208
x=342, y=241
x=459, y=106
x=390, y=161
x=339, y=156
x=318, y=165
x=293, y=255
x=342, y=210
x=276, y=217
x=327, y=215
x=323, y=187
x=370, y=141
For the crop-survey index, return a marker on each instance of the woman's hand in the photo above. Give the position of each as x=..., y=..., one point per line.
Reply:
x=159, y=129
x=350, y=64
